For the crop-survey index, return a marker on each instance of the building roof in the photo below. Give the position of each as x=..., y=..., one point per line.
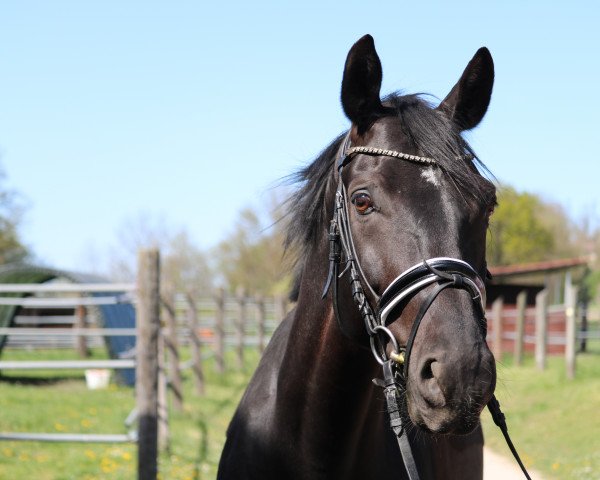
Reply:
x=539, y=267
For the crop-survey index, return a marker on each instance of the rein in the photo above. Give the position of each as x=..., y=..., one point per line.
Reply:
x=442, y=272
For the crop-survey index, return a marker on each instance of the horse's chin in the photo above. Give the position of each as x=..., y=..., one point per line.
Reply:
x=443, y=421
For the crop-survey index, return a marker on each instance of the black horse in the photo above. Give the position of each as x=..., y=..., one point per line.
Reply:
x=311, y=410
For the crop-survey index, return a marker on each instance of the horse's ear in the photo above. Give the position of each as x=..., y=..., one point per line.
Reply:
x=361, y=83
x=468, y=101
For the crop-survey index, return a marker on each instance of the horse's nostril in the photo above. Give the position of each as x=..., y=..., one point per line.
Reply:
x=426, y=370
x=429, y=386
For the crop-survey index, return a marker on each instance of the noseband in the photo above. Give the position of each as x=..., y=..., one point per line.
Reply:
x=442, y=273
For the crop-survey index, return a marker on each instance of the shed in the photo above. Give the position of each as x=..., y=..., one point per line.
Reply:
x=121, y=315
x=554, y=275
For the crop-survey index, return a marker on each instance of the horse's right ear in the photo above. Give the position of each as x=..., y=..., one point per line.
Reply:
x=361, y=83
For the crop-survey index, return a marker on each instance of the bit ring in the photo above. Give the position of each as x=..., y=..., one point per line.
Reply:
x=380, y=354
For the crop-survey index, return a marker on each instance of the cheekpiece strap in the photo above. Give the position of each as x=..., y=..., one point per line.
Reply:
x=334, y=255
x=392, y=398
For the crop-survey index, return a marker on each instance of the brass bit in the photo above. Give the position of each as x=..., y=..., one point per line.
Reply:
x=397, y=357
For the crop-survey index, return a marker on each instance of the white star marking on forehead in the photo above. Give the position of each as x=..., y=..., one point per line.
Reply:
x=431, y=175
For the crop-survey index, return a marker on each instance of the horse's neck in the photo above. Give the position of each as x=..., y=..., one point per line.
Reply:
x=325, y=387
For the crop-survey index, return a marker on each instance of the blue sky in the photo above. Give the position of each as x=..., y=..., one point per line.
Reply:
x=190, y=111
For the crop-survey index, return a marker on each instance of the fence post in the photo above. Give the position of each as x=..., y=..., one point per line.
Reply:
x=195, y=344
x=172, y=346
x=148, y=326
x=163, y=409
x=81, y=341
x=541, y=327
x=570, y=331
x=262, y=318
x=520, y=327
x=220, y=330
x=497, y=330
x=240, y=324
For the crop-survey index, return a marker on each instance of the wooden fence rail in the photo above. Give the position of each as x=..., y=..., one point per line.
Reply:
x=543, y=329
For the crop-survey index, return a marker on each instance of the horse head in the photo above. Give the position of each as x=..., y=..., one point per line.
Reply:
x=412, y=192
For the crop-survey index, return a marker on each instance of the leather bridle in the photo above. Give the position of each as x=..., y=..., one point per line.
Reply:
x=440, y=273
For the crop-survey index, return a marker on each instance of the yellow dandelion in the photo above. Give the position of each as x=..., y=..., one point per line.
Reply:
x=90, y=454
x=59, y=427
x=93, y=411
x=107, y=465
x=85, y=423
x=8, y=452
x=23, y=457
x=555, y=466
x=126, y=456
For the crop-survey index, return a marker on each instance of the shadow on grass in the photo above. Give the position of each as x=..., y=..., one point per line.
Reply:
x=37, y=381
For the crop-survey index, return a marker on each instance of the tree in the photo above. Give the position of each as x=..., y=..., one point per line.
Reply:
x=525, y=228
x=253, y=256
x=11, y=247
x=184, y=267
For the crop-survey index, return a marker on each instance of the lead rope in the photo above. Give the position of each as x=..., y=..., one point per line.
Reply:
x=499, y=419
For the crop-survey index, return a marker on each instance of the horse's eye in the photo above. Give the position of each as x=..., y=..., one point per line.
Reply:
x=489, y=212
x=362, y=202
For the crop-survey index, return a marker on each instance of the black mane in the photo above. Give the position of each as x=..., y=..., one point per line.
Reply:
x=432, y=134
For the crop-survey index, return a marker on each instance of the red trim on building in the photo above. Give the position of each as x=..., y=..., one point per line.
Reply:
x=537, y=267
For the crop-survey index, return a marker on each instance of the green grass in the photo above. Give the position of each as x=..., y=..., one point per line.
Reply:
x=554, y=422
x=62, y=403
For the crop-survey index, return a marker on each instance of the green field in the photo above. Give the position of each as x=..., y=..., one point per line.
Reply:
x=554, y=423
x=61, y=402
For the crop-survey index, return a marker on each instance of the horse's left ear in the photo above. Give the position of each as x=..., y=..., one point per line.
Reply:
x=468, y=100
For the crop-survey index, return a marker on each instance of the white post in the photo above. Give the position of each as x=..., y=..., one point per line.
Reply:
x=570, y=331
x=541, y=327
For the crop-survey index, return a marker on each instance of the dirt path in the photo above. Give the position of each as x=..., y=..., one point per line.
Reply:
x=497, y=467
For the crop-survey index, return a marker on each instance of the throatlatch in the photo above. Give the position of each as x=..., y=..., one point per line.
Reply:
x=442, y=272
